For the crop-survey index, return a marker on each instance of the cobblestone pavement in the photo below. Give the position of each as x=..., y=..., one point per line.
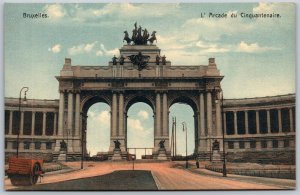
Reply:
x=166, y=176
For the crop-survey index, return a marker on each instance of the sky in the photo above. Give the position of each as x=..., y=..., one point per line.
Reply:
x=256, y=56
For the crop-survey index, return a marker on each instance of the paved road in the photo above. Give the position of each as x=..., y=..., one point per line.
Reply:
x=116, y=181
x=166, y=176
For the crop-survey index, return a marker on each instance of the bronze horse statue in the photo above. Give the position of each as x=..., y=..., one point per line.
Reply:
x=126, y=37
x=152, y=38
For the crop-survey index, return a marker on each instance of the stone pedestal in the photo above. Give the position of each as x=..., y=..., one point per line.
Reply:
x=116, y=155
x=216, y=156
x=162, y=155
x=62, y=156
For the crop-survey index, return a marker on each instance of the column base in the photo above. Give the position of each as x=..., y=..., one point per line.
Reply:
x=116, y=155
x=216, y=156
x=161, y=153
x=112, y=144
x=70, y=145
x=57, y=146
x=77, y=146
x=62, y=157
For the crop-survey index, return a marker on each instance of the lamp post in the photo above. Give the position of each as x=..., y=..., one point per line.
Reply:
x=223, y=134
x=24, y=100
x=184, y=128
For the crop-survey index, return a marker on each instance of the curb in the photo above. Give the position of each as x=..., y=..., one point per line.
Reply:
x=156, y=180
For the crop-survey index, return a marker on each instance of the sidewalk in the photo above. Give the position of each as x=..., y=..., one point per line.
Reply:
x=283, y=183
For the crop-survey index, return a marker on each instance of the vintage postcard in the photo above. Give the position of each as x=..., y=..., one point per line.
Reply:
x=133, y=96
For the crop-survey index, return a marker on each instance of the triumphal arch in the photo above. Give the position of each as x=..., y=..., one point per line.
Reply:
x=141, y=73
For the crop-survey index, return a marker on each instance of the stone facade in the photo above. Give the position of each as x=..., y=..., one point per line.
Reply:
x=160, y=85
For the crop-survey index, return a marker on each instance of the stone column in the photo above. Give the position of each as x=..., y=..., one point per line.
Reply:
x=209, y=114
x=22, y=123
x=224, y=118
x=43, y=145
x=9, y=145
x=44, y=123
x=31, y=145
x=202, y=139
x=70, y=113
x=10, y=122
x=257, y=121
x=209, y=120
x=196, y=126
x=235, y=123
x=291, y=120
x=61, y=114
x=268, y=121
x=70, y=121
x=218, y=119
x=246, y=122
x=60, y=120
x=21, y=145
x=279, y=121
x=165, y=115
x=121, y=115
x=77, y=114
x=54, y=123
x=32, y=123
x=158, y=115
x=202, y=115
x=114, y=115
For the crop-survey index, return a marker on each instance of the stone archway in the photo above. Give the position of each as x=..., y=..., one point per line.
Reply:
x=86, y=103
x=191, y=102
x=140, y=72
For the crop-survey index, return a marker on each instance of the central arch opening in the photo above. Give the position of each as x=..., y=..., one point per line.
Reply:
x=140, y=131
x=98, y=129
x=181, y=143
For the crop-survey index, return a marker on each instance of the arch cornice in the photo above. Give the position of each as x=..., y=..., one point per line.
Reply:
x=184, y=97
x=131, y=99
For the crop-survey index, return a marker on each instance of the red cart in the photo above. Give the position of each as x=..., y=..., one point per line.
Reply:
x=23, y=171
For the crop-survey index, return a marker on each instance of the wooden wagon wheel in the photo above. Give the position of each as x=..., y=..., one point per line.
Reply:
x=14, y=180
x=34, y=176
x=20, y=180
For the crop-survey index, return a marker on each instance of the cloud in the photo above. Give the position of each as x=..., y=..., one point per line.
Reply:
x=264, y=7
x=104, y=118
x=124, y=10
x=55, y=49
x=135, y=125
x=114, y=51
x=55, y=11
x=143, y=114
x=99, y=53
x=82, y=48
x=92, y=48
x=253, y=47
x=98, y=131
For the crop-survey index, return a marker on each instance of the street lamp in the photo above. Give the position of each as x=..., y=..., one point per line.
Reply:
x=184, y=128
x=24, y=101
x=223, y=132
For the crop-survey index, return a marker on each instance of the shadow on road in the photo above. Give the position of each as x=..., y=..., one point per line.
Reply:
x=118, y=180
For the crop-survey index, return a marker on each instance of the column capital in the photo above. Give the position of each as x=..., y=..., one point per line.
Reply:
x=201, y=91
x=161, y=91
x=72, y=91
x=118, y=91
x=77, y=91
